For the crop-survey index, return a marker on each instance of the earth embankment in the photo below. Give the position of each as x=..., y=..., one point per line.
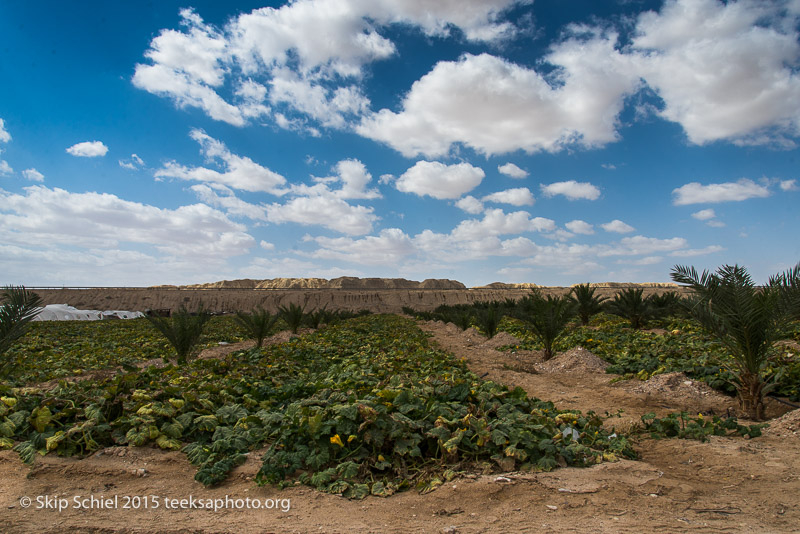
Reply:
x=228, y=300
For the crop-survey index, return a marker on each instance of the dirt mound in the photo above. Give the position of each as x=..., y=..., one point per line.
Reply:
x=575, y=359
x=679, y=386
x=452, y=328
x=500, y=340
x=786, y=425
x=471, y=336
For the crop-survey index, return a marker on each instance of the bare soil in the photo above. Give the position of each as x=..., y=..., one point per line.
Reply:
x=723, y=485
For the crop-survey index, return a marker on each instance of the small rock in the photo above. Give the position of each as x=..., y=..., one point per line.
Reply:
x=502, y=479
x=551, y=507
x=450, y=530
x=140, y=472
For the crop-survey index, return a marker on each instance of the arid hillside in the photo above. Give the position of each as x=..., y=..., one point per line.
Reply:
x=374, y=294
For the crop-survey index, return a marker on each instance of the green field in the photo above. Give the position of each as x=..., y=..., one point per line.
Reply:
x=366, y=406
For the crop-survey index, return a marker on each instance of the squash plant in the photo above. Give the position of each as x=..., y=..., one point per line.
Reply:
x=368, y=406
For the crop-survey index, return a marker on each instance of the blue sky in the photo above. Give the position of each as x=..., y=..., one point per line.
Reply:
x=496, y=140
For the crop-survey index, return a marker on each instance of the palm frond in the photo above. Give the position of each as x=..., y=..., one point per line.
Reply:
x=747, y=319
x=19, y=307
x=183, y=330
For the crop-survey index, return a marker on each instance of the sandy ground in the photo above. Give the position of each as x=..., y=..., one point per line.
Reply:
x=723, y=485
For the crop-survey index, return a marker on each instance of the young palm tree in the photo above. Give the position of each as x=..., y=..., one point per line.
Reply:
x=318, y=317
x=258, y=323
x=587, y=304
x=629, y=304
x=666, y=304
x=183, y=331
x=788, y=283
x=293, y=315
x=488, y=320
x=19, y=307
x=547, y=318
x=745, y=318
x=463, y=319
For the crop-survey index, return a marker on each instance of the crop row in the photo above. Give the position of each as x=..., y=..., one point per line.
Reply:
x=679, y=345
x=367, y=406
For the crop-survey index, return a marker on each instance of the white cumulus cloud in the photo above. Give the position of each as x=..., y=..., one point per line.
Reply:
x=389, y=247
x=325, y=210
x=495, y=106
x=353, y=176
x=788, y=185
x=238, y=172
x=470, y=204
x=289, y=55
x=580, y=227
x=44, y=217
x=496, y=222
x=617, y=226
x=512, y=171
x=572, y=190
x=438, y=180
x=520, y=196
x=709, y=216
x=704, y=215
x=724, y=70
x=696, y=193
x=321, y=205
x=88, y=149
x=224, y=197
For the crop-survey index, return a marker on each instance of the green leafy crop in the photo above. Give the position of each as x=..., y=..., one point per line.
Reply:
x=368, y=406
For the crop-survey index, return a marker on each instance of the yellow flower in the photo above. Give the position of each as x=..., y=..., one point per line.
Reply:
x=337, y=440
x=351, y=437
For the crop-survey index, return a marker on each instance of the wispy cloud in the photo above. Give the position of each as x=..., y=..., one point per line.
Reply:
x=33, y=175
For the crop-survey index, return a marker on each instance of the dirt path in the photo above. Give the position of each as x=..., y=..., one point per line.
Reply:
x=723, y=485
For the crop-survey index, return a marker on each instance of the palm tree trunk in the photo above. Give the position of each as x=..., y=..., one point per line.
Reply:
x=751, y=397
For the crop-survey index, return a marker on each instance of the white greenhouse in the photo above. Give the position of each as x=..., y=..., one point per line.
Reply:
x=65, y=312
